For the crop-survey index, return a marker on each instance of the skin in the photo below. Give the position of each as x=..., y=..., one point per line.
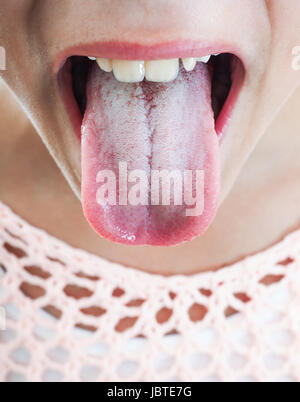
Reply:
x=260, y=163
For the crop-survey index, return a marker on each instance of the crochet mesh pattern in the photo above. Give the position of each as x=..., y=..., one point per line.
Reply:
x=241, y=323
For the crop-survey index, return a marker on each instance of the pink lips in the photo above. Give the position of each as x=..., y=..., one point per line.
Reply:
x=135, y=51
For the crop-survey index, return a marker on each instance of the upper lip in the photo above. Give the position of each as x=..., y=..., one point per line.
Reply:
x=136, y=51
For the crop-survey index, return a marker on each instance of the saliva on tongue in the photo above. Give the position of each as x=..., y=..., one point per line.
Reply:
x=148, y=127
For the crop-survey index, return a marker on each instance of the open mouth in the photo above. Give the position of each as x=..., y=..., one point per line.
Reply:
x=154, y=116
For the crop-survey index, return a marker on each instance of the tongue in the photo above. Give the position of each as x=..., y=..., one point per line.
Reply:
x=131, y=131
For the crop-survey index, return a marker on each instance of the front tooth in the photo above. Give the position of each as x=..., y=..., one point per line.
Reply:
x=189, y=63
x=204, y=59
x=129, y=71
x=105, y=65
x=162, y=70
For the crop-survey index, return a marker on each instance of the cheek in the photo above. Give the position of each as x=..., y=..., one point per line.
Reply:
x=285, y=22
x=296, y=58
x=281, y=77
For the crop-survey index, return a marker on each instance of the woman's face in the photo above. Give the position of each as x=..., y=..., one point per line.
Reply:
x=92, y=122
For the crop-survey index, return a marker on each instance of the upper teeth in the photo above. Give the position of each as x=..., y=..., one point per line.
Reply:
x=162, y=70
x=189, y=64
x=204, y=59
x=105, y=65
x=131, y=71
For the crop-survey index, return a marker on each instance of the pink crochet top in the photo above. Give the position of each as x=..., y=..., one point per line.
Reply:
x=238, y=324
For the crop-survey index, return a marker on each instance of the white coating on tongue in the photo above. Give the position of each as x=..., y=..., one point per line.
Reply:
x=149, y=126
